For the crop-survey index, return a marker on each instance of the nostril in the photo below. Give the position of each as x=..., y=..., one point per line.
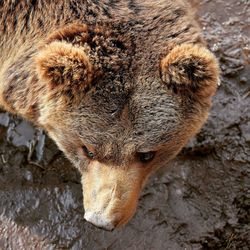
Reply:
x=99, y=220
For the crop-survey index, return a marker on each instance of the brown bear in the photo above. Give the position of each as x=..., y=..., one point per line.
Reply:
x=120, y=85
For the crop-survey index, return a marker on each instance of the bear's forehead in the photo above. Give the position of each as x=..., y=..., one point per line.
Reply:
x=134, y=118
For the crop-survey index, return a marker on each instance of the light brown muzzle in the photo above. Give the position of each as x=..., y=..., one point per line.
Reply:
x=111, y=193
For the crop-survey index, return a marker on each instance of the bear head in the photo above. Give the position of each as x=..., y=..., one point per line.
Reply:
x=120, y=110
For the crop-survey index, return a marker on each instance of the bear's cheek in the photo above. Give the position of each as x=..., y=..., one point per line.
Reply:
x=68, y=143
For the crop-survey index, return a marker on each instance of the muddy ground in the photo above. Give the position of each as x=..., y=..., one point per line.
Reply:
x=199, y=201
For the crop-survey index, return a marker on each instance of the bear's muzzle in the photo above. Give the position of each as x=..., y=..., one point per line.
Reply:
x=111, y=193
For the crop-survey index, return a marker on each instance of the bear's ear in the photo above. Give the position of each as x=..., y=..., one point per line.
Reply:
x=63, y=66
x=190, y=69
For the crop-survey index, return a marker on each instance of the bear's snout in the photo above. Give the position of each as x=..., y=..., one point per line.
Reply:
x=111, y=194
x=99, y=220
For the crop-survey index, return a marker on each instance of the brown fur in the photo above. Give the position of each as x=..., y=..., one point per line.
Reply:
x=191, y=67
x=64, y=67
x=70, y=33
x=119, y=78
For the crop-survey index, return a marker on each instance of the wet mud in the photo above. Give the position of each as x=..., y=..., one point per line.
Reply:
x=201, y=200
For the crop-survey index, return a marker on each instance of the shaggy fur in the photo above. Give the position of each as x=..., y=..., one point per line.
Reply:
x=64, y=67
x=190, y=68
x=118, y=78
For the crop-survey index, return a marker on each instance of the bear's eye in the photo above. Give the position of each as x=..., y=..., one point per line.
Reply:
x=88, y=153
x=146, y=157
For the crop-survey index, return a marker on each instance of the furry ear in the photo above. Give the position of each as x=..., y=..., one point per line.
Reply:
x=64, y=66
x=191, y=69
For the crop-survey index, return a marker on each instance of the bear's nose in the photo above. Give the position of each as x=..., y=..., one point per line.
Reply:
x=99, y=220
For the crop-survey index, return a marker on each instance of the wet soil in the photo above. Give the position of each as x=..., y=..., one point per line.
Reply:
x=199, y=201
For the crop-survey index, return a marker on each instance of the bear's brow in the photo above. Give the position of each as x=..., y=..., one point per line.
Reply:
x=149, y=142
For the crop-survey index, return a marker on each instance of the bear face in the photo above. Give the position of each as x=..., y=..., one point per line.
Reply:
x=119, y=87
x=117, y=126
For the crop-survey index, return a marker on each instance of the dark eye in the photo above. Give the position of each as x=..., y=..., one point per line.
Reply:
x=146, y=157
x=88, y=153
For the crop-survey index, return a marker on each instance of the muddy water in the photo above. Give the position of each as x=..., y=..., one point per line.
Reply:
x=200, y=201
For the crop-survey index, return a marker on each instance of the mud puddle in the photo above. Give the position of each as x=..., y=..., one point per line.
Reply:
x=200, y=201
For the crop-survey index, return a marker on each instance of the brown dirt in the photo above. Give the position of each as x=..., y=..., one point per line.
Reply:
x=200, y=201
